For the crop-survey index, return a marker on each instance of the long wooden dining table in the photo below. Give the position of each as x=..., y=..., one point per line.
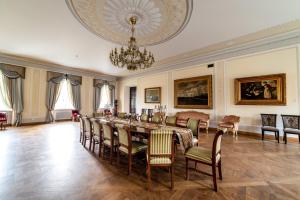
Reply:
x=184, y=135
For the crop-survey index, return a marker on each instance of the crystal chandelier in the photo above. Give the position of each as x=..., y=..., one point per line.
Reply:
x=132, y=57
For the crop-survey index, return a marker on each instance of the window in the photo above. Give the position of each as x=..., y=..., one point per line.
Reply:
x=3, y=103
x=105, y=101
x=64, y=99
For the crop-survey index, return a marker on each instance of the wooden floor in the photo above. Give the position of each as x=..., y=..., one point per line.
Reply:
x=48, y=162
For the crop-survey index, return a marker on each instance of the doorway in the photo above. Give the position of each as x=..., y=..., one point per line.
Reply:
x=132, y=100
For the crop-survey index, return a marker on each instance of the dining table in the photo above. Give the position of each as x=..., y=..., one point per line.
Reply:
x=184, y=136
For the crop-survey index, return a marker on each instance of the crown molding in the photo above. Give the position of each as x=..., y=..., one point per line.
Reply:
x=276, y=37
x=36, y=63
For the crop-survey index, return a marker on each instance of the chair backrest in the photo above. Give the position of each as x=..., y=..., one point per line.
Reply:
x=144, y=111
x=268, y=120
x=150, y=112
x=96, y=127
x=161, y=143
x=124, y=137
x=87, y=126
x=144, y=117
x=193, y=125
x=231, y=118
x=3, y=116
x=291, y=121
x=75, y=112
x=171, y=120
x=107, y=131
x=157, y=118
x=122, y=115
x=216, y=149
x=81, y=123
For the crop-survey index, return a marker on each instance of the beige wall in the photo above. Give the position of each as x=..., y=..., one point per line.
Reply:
x=35, y=87
x=225, y=71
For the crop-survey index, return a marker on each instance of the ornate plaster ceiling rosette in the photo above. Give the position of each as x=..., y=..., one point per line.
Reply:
x=158, y=20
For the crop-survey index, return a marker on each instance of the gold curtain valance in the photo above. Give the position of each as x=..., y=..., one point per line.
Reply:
x=13, y=69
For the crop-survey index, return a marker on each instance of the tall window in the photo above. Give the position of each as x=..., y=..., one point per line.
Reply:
x=64, y=99
x=3, y=103
x=105, y=101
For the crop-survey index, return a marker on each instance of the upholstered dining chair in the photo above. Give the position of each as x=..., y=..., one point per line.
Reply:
x=127, y=146
x=87, y=132
x=269, y=124
x=144, y=117
x=230, y=123
x=122, y=115
x=157, y=118
x=211, y=157
x=291, y=125
x=97, y=135
x=3, y=120
x=160, y=152
x=171, y=120
x=144, y=111
x=109, y=139
x=193, y=125
x=81, y=124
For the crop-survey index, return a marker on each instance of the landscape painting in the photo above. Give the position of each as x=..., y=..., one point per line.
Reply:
x=152, y=95
x=193, y=92
x=260, y=90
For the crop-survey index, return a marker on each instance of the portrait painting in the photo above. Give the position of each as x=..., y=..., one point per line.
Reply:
x=152, y=95
x=260, y=90
x=193, y=92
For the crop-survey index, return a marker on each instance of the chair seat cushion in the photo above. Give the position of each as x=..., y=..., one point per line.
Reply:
x=136, y=147
x=226, y=125
x=269, y=128
x=108, y=142
x=201, y=154
x=202, y=125
x=160, y=160
x=290, y=130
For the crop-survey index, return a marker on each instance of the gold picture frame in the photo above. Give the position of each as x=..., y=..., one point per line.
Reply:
x=261, y=90
x=153, y=95
x=193, y=93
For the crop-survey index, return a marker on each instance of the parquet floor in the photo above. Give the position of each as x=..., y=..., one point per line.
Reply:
x=48, y=162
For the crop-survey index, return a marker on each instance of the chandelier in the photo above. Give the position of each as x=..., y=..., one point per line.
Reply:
x=132, y=57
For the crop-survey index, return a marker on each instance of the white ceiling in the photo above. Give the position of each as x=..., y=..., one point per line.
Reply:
x=47, y=30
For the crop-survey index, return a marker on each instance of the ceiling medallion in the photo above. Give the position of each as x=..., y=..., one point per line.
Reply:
x=132, y=58
x=158, y=21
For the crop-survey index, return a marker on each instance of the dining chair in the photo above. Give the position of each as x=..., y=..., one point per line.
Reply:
x=97, y=136
x=170, y=120
x=87, y=132
x=3, y=120
x=144, y=111
x=122, y=115
x=230, y=123
x=150, y=113
x=211, y=157
x=144, y=117
x=291, y=125
x=81, y=123
x=109, y=139
x=192, y=124
x=127, y=146
x=269, y=124
x=157, y=118
x=160, y=152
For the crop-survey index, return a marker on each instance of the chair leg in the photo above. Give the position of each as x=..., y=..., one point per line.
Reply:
x=285, y=138
x=172, y=181
x=277, y=137
x=90, y=143
x=94, y=143
x=214, y=177
x=186, y=168
x=299, y=138
x=220, y=170
x=118, y=156
x=84, y=141
x=111, y=154
x=207, y=130
x=100, y=146
x=263, y=135
x=129, y=163
x=149, y=177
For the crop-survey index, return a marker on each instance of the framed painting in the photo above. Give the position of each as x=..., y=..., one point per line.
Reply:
x=261, y=90
x=153, y=95
x=195, y=93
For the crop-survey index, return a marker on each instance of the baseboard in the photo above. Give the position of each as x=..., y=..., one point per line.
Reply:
x=258, y=136
x=40, y=123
